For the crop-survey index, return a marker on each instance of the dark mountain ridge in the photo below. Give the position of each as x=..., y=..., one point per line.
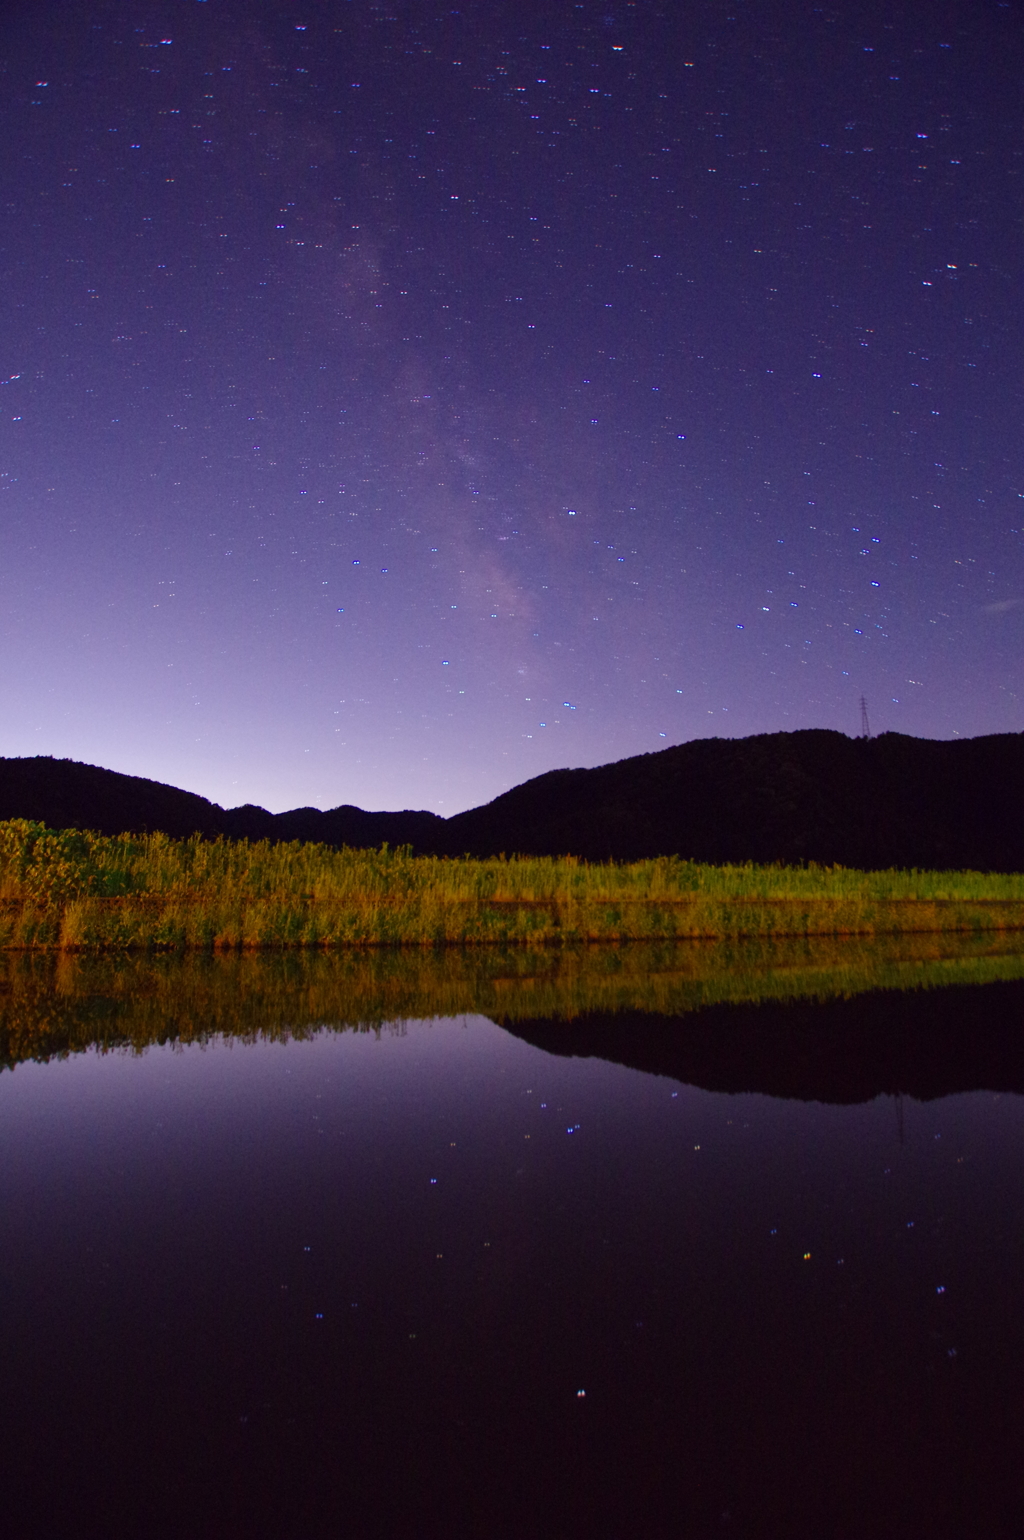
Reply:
x=812, y=795
x=64, y=794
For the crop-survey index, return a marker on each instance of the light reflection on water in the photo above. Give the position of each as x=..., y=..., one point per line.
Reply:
x=354, y=1282
x=53, y=1004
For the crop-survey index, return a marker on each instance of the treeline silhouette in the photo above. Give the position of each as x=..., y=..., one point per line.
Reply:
x=813, y=795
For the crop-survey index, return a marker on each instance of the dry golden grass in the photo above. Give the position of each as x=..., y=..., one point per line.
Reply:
x=72, y=890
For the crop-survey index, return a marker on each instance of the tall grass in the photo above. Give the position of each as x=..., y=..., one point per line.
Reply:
x=76, y=890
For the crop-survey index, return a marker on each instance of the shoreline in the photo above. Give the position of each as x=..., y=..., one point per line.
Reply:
x=75, y=891
x=145, y=923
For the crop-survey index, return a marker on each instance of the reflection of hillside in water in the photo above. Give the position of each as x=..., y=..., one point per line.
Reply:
x=921, y=1043
x=838, y=1021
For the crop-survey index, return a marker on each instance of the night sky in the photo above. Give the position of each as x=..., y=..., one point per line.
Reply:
x=400, y=401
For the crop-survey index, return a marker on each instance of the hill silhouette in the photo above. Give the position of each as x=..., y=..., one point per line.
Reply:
x=65, y=794
x=813, y=795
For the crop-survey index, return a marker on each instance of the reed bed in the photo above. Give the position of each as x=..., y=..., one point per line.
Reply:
x=72, y=890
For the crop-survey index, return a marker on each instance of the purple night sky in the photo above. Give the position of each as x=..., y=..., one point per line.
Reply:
x=400, y=401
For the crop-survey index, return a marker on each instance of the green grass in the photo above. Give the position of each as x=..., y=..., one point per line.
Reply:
x=70, y=890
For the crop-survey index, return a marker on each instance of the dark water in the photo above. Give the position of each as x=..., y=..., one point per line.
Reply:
x=452, y=1277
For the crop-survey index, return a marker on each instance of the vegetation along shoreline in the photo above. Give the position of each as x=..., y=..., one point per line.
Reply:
x=72, y=890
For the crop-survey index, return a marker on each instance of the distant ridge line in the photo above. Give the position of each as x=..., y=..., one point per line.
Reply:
x=810, y=795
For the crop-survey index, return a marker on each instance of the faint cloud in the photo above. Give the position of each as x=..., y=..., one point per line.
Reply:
x=1000, y=606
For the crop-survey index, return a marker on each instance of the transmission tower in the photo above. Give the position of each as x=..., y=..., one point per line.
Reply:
x=865, y=728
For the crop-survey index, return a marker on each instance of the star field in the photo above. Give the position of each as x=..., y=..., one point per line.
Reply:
x=399, y=400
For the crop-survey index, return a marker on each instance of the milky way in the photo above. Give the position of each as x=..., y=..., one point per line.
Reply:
x=400, y=401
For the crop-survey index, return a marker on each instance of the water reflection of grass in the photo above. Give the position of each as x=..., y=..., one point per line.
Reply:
x=75, y=890
x=58, y=1003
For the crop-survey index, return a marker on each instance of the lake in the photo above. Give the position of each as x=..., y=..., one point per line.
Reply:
x=681, y=1242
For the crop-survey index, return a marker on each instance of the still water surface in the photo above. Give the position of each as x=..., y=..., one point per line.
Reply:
x=449, y=1276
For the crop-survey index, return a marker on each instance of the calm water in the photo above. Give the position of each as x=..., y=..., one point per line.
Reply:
x=452, y=1277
